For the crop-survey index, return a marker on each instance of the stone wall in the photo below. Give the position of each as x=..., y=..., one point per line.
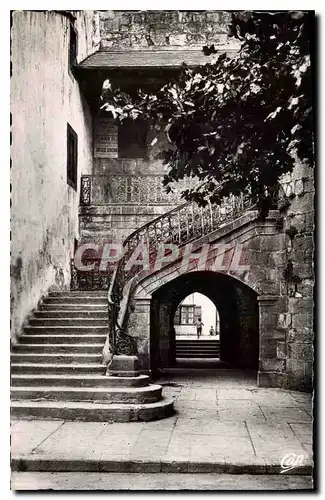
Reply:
x=134, y=30
x=44, y=97
x=298, y=322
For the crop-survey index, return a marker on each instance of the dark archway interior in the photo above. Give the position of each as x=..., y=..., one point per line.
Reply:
x=238, y=310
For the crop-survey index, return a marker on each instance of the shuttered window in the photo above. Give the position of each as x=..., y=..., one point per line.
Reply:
x=72, y=157
x=187, y=315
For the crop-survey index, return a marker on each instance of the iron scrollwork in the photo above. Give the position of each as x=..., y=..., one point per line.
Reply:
x=85, y=190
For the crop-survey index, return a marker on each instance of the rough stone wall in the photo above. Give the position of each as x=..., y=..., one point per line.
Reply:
x=44, y=216
x=165, y=29
x=297, y=352
x=286, y=356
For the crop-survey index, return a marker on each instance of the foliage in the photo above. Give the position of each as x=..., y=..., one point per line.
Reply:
x=235, y=122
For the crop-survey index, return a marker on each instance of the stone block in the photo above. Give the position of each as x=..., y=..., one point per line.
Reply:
x=301, y=304
x=273, y=274
x=297, y=257
x=302, y=334
x=275, y=365
x=299, y=187
x=288, y=188
x=284, y=320
x=304, y=319
x=276, y=259
x=143, y=346
x=122, y=365
x=272, y=333
x=271, y=379
x=273, y=243
x=306, y=287
x=281, y=350
x=310, y=221
x=300, y=382
x=301, y=351
x=269, y=287
x=268, y=349
x=303, y=203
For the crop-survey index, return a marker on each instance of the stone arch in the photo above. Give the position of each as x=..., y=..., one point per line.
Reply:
x=237, y=306
x=258, y=239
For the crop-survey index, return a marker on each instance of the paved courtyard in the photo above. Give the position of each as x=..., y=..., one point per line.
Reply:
x=223, y=423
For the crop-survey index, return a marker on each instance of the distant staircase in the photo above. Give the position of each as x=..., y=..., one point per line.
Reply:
x=57, y=370
x=197, y=348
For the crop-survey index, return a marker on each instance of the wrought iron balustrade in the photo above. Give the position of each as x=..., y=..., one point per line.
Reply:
x=93, y=279
x=180, y=226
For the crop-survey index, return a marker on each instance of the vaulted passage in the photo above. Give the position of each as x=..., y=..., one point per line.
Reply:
x=237, y=308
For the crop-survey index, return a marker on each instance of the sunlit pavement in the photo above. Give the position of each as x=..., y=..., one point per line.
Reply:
x=223, y=423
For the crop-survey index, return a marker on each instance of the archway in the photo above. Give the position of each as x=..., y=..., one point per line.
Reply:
x=238, y=311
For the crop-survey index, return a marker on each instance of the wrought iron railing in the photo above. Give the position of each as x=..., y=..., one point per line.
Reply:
x=93, y=279
x=180, y=226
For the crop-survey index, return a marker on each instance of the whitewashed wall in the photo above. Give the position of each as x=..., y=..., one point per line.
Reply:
x=44, y=215
x=208, y=315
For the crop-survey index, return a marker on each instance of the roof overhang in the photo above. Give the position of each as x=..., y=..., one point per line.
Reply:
x=162, y=58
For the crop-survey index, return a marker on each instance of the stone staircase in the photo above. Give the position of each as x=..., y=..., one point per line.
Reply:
x=197, y=348
x=57, y=370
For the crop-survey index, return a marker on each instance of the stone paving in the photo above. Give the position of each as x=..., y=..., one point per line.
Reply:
x=222, y=418
x=139, y=482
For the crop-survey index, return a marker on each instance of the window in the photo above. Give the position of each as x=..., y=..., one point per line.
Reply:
x=72, y=157
x=132, y=139
x=187, y=315
x=72, y=48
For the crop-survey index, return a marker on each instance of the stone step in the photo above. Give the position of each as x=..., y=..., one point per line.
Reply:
x=58, y=330
x=163, y=473
x=203, y=347
x=67, y=313
x=84, y=299
x=198, y=348
x=57, y=368
x=195, y=351
x=91, y=412
x=57, y=357
x=134, y=395
x=198, y=355
x=62, y=339
x=74, y=307
x=65, y=321
x=70, y=349
x=73, y=379
x=197, y=342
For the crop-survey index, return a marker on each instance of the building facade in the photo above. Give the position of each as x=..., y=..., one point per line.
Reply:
x=78, y=177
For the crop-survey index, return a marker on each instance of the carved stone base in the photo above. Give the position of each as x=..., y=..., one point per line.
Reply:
x=124, y=366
